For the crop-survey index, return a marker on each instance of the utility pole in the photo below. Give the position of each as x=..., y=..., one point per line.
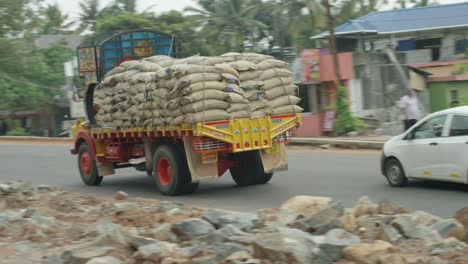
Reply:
x=332, y=41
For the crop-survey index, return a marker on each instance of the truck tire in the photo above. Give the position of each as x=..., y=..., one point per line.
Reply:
x=250, y=170
x=87, y=166
x=170, y=170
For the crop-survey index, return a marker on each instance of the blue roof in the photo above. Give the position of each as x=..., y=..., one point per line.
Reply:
x=406, y=20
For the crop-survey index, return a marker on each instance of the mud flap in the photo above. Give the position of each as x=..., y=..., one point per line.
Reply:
x=199, y=170
x=275, y=158
x=106, y=169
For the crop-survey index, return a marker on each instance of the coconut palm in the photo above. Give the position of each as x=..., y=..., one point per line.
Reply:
x=230, y=23
x=53, y=21
x=89, y=14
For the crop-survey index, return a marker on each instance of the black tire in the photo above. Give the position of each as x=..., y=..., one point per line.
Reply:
x=250, y=170
x=87, y=166
x=170, y=170
x=394, y=173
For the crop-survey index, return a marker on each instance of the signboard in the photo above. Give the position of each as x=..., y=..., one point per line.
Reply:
x=310, y=66
x=329, y=121
x=77, y=109
x=87, y=64
x=296, y=68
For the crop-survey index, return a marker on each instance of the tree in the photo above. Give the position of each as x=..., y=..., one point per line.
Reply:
x=53, y=22
x=229, y=23
x=89, y=14
x=18, y=18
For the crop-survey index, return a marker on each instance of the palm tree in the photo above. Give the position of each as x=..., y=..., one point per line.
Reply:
x=229, y=22
x=53, y=21
x=89, y=14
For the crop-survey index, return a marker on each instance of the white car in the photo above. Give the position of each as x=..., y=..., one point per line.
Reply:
x=435, y=148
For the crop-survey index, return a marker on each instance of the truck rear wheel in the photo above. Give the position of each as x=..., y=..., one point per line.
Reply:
x=87, y=166
x=249, y=170
x=170, y=170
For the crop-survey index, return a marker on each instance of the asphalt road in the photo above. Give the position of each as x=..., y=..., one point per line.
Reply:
x=343, y=175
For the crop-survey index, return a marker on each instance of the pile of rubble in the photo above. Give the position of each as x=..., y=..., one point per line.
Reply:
x=43, y=224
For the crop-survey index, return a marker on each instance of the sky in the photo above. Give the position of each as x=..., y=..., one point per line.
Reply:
x=71, y=7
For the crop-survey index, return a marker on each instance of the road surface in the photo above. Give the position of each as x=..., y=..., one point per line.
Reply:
x=344, y=175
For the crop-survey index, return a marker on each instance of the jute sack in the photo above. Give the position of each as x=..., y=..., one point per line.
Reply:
x=254, y=95
x=206, y=116
x=121, y=115
x=256, y=105
x=114, y=71
x=284, y=100
x=252, y=84
x=234, y=88
x=173, y=104
x=105, y=101
x=144, y=77
x=170, y=83
x=104, y=118
x=128, y=64
x=205, y=105
x=229, y=78
x=147, y=114
x=240, y=114
x=200, y=60
x=196, y=78
x=175, y=113
x=272, y=73
x=254, y=57
x=280, y=91
x=259, y=113
x=187, y=69
x=226, y=68
x=146, y=66
x=278, y=81
x=153, y=122
x=133, y=110
x=205, y=95
x=125, y=76
x=178, y=120
x=287, y=109
x=200, y=86
x=105, y=108
x=237, y=107
x=156, y=103
x=249, y=75
x=161, y=60
x=272, y=63
x=234, y=98
x=112, y=80
x=243, y=65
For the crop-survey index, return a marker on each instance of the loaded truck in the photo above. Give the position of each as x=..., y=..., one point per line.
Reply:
x=177, y=157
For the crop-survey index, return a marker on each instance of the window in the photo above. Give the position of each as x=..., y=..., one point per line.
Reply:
x=454, y=100
x=459, y=126
x=461, y=45
x=432, y=128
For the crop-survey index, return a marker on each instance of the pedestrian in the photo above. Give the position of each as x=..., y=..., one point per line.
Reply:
x=409, y=105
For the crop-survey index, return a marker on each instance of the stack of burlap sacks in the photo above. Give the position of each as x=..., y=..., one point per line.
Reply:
x=161, y=90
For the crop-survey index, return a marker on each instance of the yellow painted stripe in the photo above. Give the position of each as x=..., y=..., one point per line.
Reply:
x=455, y=175
x=427, y=173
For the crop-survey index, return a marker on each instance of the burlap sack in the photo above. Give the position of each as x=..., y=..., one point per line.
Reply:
x=204, y=95
x=105, y=101
x=144, y=77
x=120, y=115
x=284, y=100
x=205, y=105
x=200, y=86
x=256, y=105
x=206, y=116
x=243, y=65
x=161, y=60
x=153, y=122
x=272, y=73
x=249, y=75
x=272, y=63
x=234, y=88
x=226, y=68
x=240, y=114
x=148, y=114
x=128, y=64
x=146, y=66
x=114, y=71
x=234, y=98
x=173, y=104
x=196, y=78
x=287, y=109
x=280, y=91
x=253, y=95
x=178, y=120
x=254, y=57
x=175, y=113
x=156, y=103
x=187, y=69
x=125, y=76
x=252, y=84
x=160, y=92
x=105, y=108
x=112, y=80
x=278, y=81
x=200, y=60
x=259, y=113
x=237, y=107
x=133, y=110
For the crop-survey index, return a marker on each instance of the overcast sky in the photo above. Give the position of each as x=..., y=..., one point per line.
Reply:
x=71, y=7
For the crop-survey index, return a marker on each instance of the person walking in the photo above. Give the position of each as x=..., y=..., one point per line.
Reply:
x=409, y=105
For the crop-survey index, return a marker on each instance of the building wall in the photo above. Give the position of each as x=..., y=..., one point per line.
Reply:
x=440, y=93
x=327, y=69
x=447, y=51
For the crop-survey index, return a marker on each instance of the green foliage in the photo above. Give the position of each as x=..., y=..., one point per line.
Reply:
x=18, y=131
x=345, y=121
x=461, y=69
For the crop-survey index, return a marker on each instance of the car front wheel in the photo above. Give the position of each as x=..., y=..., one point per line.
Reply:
x=394, y=172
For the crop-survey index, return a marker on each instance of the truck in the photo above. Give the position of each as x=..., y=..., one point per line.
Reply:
x=177, y=157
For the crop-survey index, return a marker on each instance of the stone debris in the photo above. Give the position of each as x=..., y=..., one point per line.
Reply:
x=64, y=227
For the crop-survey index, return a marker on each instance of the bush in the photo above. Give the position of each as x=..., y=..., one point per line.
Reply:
x=18, y=131
x=345, y=121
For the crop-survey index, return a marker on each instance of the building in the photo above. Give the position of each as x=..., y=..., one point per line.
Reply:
x=431, y=45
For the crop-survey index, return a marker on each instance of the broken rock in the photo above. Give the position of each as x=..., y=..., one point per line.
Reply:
x=326, y=218
x=450, y=228
x=191, y=228
x=120, y=196
x=367, y=253
x=390, y=208
x=305, y=205
x=104, y=260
